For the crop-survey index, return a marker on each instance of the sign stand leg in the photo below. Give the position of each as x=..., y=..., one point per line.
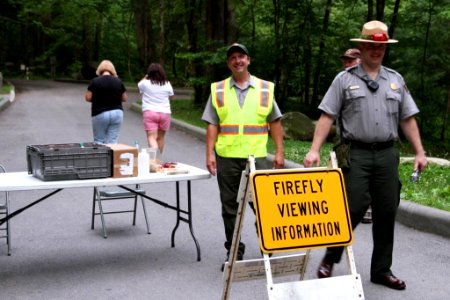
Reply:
x=242, y=199
x=268, y=267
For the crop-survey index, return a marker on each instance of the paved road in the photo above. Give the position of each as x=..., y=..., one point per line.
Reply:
x=57, y=256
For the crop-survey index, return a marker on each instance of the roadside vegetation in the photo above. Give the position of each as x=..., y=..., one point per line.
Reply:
x=433, y=188
x=6, y=89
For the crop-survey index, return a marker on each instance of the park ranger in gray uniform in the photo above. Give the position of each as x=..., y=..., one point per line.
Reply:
x=370, y=101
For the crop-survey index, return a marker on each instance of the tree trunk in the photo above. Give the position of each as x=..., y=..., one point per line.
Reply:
x=315, y=96
x=308, y=70
x=392, y=29
x=423, y=73
x=215, y=23
x=230, y=32
x=195, y=67
x=447, y=113
x=253, y=17
x=162, y=33
x=278, y=51
x=97, y=40
x=369, y=10
x=144, y=33
x=380, y=10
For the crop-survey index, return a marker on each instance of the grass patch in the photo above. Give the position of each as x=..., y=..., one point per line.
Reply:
x=184, y=110
x=6, y=89
x=433, y=188
x=296, y=151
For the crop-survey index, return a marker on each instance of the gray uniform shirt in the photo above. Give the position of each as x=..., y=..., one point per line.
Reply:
x=368, y=116
x=210, y=114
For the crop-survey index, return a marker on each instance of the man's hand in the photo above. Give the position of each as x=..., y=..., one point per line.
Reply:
x=311, y=158
x=211, y=138
x=420, y=162
x=278, y=161
x=211, y=164
x=320, y=134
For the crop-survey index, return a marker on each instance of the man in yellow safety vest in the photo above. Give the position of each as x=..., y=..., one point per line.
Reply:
x=240, y=113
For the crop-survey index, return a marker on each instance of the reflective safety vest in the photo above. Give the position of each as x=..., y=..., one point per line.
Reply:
x=242, y=131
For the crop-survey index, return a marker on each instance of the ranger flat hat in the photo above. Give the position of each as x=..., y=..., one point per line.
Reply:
x=237, y=47
x=374, y=32
x=351, y=53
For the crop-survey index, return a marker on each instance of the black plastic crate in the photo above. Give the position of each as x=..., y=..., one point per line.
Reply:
x=69, y=161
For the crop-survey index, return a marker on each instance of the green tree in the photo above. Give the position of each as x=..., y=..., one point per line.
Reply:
x=295, y=43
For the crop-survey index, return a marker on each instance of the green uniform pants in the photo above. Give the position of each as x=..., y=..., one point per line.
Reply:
x=229, y=171
x=373, y=172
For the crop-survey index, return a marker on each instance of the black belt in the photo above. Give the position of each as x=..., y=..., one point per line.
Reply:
x=370, y=146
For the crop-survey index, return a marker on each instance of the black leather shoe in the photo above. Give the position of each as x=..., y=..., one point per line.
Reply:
x=367, y=219
x=240, y=256
x=325, y=269
x=390, y=281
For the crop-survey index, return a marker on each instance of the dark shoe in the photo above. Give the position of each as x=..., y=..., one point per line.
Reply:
x=240, y=256
x=367, y=219
x=390, y=281
x=325, y=269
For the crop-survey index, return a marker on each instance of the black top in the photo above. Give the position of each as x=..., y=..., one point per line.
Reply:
x=106, y=94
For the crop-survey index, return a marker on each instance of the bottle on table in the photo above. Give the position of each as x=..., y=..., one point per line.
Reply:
x=143, y=163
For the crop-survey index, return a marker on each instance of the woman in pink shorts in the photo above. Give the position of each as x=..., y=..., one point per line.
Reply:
x=156, y=93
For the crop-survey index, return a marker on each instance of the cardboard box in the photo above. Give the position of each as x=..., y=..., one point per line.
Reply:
x=124, y=160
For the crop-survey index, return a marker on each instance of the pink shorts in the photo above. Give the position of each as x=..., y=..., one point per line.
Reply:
x=154, y=121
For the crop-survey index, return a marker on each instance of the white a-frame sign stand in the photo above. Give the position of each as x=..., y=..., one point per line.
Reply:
x=296, y=209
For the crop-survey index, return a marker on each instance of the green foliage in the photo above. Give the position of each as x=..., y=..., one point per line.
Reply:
x=433, y=188
x=6, y=89
x=74, y=69
x=287, y=39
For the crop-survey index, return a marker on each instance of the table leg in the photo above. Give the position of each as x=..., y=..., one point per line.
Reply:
x=188, y=219
x=178, y=210
x=28, y=206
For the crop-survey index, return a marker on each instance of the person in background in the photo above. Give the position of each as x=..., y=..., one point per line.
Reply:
x=106, y=94
x=240, y=113
x=350, y=58
x=372, y=101
x=156, y=93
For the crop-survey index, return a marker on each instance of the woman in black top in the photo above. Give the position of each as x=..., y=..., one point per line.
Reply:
x=106, y=93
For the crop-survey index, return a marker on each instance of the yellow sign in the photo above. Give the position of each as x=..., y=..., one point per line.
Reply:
x=301, y=209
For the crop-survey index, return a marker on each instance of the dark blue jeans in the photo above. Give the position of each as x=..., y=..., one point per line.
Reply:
x=374, y=172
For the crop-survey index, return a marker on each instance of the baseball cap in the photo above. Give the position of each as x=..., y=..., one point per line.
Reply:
x=237, y=47
x=351, y=53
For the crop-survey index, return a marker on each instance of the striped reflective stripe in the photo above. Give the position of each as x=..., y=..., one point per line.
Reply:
x=264, y=100
x=248, y=129
x=229, y=129
x=220, y=98
x=256, y=129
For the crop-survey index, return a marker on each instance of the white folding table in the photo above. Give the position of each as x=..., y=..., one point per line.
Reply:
x=22, y=181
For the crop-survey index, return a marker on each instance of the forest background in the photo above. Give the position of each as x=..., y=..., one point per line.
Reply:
x=295, y=43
